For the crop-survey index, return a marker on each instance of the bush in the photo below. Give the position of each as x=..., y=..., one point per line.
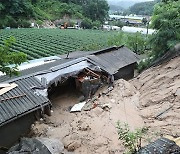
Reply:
x=96, y=24
x=86, y=23
x=143, y=64
x=136, y=42
x=131, y=139
x=117, y=40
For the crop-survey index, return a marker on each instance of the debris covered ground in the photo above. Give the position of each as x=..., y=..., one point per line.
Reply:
x=159, y=90
x=151, y=100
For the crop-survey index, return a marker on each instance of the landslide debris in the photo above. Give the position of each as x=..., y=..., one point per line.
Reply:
x=152, y=99
x=159, y=89
x=92, y=131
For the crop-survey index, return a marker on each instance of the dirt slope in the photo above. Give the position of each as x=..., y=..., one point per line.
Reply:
x=159, y=89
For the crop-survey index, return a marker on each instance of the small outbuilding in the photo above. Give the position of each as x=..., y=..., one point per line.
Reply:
x=20, y=106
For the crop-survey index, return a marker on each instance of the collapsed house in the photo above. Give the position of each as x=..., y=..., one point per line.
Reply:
x=25, y=99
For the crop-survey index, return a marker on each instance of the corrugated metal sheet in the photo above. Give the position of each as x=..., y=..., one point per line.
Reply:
x=35, y=69
x=20, y=100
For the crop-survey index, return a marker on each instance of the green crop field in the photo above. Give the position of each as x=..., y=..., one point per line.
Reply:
x=37, y=43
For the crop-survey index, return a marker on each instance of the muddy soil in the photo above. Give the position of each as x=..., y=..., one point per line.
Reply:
x=149, y=100
x=92, y=131
x=159, y=99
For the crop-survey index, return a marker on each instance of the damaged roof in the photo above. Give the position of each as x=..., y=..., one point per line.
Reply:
x=21, y=100
x=110, y=59
x=35, y=69
x=120, y=56
x=113, y=59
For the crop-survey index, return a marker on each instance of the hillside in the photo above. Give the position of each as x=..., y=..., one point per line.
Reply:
x=159, y=97
x=20, y=13
x=143, y=8
x=122, y=4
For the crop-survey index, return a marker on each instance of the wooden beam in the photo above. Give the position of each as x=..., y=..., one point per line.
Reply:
x=95, y=74
x=6, y=89
x=13, y=97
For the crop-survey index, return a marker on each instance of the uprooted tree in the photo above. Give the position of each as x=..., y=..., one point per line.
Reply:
x=9, y=61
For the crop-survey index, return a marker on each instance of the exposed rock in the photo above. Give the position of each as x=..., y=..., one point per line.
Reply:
x=74, y=145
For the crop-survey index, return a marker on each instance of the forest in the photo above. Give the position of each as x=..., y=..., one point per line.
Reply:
x=18, y=13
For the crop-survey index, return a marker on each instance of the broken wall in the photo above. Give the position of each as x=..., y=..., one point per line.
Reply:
x=11, y=132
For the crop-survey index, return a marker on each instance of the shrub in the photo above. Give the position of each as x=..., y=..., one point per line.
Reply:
x=131, y=139
x=86, y=23
x=24, y=23
x=136, y=42
x=143, y=64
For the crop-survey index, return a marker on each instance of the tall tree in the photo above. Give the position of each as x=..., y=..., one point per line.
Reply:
x=17, y=7
x=166, y=20
x=96, y=9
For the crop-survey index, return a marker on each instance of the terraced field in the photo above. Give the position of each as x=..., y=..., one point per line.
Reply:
x=37, y=43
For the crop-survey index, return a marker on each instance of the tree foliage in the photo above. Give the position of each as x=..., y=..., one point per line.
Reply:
x=166, y=20
x=143, y=8
x=11, y=11
x=96, y=9
x=9, y=61
x=135, y=41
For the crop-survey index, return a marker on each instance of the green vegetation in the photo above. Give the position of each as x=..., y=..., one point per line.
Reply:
x=166, y=20
x=143, y=8
x=131, y=139
x=135, y=41
x=18, y=13
x=9, y=61
x=37, y=43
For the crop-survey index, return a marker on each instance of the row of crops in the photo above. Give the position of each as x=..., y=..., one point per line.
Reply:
x=38, y=43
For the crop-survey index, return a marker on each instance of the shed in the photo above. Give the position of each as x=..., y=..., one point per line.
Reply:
x=18, y=105
x=118, y=61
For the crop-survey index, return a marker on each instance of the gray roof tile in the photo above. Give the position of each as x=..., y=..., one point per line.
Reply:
x=11, y=108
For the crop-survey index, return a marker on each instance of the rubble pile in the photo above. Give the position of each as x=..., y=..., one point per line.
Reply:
x=93, y=129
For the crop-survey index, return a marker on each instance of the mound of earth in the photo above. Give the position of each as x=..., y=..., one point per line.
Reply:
x=159, y=89
x=92, y=131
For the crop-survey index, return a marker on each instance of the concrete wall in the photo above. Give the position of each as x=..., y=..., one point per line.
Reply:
x=125, y=72
x=11, y=132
